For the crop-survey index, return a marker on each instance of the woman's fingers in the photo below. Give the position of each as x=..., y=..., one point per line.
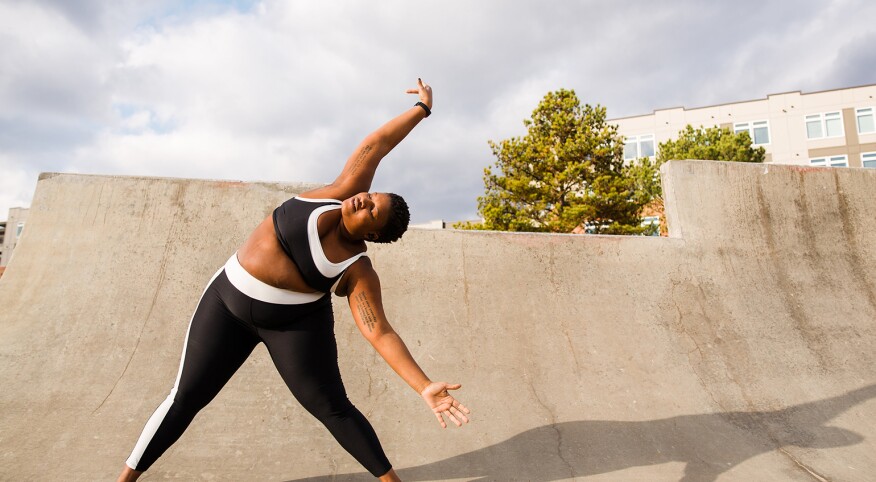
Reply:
x=458, y=413
x=453, y=419
x=440, y=414
x=453, y=413
x=420, y=87
x=440, y=419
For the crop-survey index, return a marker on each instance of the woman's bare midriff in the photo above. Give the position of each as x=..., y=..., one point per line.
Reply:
x=262, y=256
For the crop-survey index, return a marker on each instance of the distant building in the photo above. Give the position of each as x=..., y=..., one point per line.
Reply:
x=830, y=128
x=13, y=229
x=437, y=224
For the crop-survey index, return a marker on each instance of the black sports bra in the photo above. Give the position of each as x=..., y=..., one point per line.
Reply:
x=295, y=226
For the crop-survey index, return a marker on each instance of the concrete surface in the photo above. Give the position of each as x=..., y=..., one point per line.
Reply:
x=740, y=348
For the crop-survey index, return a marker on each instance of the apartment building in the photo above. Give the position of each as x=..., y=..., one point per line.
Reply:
x=833, y=128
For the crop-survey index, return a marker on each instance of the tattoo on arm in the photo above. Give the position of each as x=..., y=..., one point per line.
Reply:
x=358, y=162
x=366, y=313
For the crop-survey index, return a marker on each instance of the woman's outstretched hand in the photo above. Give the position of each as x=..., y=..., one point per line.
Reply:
x=443, y=404
x=424, y=91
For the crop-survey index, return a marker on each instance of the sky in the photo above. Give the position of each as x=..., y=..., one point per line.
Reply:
x=278, y=90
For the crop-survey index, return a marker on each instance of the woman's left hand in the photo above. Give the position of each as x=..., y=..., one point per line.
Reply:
x=443, y=404
x=424, y=91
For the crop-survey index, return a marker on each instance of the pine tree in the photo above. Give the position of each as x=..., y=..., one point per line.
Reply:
x=566, y=174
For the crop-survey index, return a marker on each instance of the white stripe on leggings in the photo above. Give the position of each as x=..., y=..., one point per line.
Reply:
x=160, y=412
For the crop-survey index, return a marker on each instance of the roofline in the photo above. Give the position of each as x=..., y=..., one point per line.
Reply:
x=743, y=101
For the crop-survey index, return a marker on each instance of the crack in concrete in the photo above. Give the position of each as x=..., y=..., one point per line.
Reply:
x=727, y=371
x=571, y=347
x=465, y=285
x=765, y=430
x=697, y=348
x=553, y=425
x=161, y=274
x=372, y=396
x=556, y=292
x=815, y=475
x=97, y=208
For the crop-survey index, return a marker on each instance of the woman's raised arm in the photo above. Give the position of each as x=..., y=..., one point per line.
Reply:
x=359, y=170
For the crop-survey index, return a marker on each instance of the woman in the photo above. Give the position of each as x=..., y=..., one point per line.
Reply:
x=276, y=290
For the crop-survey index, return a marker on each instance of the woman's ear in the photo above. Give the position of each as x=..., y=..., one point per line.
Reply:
x=372, y=236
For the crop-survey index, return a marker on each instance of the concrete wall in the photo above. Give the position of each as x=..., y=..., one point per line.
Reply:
x=740, y=348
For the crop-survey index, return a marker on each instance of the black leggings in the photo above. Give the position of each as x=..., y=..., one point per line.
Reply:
x=226, y=327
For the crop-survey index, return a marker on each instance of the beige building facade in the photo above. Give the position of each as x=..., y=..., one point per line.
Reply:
x=829, y=128
x=12, y=233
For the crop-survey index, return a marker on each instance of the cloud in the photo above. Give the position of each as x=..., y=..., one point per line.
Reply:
x=16, y=185
x=855, y=62
x=278, y=90
x=50, y=70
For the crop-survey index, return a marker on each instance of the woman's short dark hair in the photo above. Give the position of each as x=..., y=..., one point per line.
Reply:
x=397, y=224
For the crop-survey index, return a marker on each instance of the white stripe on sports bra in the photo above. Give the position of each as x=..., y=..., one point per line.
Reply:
x=256, y=289
x=307, y=199
x=326, y=267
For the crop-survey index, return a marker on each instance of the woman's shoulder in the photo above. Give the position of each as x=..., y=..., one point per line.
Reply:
x=360, y=271
x=327, y=193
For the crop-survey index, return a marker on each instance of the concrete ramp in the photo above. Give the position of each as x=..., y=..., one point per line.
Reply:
x=740, y=348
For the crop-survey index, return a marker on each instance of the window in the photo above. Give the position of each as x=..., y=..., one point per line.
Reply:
x=832, y=161
x=759, y=131
x=868, y=159
x=829, y=124
x=652, y=221
x=639, y=146
x=865, y=120
x=18, y=230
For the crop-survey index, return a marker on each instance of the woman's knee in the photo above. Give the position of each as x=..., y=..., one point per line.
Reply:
x=325, y=402
x=189, y=402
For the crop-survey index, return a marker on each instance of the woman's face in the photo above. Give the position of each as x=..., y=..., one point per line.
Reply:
x=365, y=214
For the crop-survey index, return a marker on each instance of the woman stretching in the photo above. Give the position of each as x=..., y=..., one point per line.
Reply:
x=276, y=289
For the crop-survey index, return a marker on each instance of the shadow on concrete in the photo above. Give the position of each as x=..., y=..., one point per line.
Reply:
x=707, y=444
